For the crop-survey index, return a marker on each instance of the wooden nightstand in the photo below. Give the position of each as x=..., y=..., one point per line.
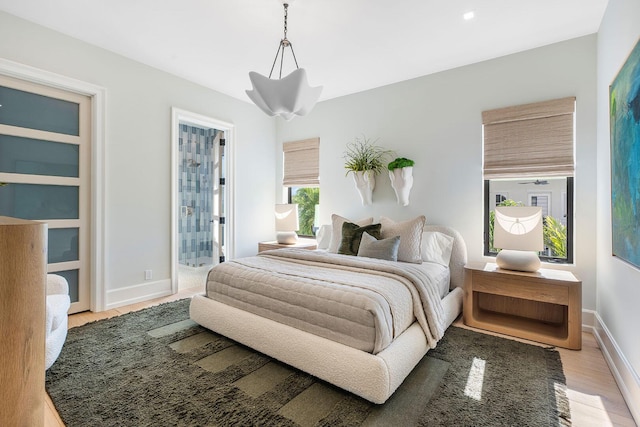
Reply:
x=302, y=244
x=545, y=306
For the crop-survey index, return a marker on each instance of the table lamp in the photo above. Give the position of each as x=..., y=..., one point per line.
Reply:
x=517, y=231
x=287, y=223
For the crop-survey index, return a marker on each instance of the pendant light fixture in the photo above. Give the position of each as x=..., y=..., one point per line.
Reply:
x=285, y=97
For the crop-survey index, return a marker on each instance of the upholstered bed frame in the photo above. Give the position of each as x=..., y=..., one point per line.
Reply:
x=372, y=376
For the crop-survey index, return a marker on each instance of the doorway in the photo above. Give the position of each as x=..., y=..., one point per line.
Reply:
x=201, y=214
x=45, y=174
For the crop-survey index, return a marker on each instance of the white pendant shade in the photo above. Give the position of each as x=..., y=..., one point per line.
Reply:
x=287, y=97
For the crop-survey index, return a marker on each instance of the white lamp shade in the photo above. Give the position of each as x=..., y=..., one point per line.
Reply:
x=519, y=228
x=287, y=97
x=287, y=217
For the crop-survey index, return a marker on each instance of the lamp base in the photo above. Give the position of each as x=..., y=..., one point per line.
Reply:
x=287, y=237
x=518, y=260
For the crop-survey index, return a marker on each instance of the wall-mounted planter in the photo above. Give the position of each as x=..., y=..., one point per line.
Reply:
x=402, y=181
x=365, y=183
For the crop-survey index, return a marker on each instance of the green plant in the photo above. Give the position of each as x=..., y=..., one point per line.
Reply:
x=364, y=155
x=307, y=198
x=2, y=184
x=399, y=163
x=555, y=237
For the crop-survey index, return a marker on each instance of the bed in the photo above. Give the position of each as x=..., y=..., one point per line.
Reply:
x=295, y=327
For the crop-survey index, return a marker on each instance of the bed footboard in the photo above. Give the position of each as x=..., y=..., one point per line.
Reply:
x=373, y=377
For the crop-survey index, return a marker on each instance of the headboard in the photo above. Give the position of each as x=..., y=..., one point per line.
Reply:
x=458, y=253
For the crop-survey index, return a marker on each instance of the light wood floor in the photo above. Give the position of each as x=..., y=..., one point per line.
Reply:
x=593, y=394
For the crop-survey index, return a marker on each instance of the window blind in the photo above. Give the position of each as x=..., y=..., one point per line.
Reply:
x=301, y=163
x=530, y=140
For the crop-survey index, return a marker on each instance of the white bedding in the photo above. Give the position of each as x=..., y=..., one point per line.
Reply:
x=361, y=302
x=441, y=276
x=440, y=273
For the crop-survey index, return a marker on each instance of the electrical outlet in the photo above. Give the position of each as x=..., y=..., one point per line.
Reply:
x=148, y=274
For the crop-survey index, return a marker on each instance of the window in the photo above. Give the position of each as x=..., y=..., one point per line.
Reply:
x=558, y=224
x=529, y=161
x=308, y=200
x=301, y=177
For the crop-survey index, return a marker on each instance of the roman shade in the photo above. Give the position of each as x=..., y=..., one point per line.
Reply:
x=301, y=163
x=531, y=140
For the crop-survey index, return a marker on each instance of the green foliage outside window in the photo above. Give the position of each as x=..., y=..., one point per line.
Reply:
x=307, y=198
x=555, y=237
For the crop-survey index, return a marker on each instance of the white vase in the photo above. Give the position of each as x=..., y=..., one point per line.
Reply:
x=365, y=183
x=402, y=181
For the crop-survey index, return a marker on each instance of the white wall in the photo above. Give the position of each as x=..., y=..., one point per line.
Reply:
x=618, y=282
x=138, y=169
x=436, y=120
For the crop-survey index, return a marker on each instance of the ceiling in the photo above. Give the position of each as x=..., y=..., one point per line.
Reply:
x=346, y=46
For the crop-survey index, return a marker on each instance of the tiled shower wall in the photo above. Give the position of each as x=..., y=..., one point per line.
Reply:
x=195, y=194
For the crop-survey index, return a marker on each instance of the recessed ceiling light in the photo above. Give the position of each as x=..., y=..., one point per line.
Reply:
x=469, y=16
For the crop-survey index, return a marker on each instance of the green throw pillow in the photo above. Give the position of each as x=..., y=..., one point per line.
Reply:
x=351, y=235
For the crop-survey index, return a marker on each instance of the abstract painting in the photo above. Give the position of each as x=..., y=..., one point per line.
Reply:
x=624, y=108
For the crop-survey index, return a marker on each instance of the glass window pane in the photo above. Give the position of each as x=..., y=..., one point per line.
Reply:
x=63, y=245
x=38, y=157
x=548, y=193
x=33, y=111
x=307, y=199
x=72, y=279
x=39, y=202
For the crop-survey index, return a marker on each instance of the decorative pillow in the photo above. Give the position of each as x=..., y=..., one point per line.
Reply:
x=436, y=247
x=352, y=234
x=336, y=227
x=323, y=236
x=410, y=233
x=380, y=249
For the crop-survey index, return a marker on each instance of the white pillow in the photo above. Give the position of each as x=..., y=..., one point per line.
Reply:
x=410, y=233
x=323, y=236
x=436, y=247
x=336, y=230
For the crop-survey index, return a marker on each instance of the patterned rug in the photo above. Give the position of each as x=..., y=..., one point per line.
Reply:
x=156, y=367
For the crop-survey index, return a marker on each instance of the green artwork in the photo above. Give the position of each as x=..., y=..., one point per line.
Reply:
x=624, y=103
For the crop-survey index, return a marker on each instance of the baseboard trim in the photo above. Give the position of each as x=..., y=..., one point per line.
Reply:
x=626, y=378
x=588, y=321
x=137, y=293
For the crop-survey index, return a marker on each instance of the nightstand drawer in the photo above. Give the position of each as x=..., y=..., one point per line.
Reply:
x=523, y=288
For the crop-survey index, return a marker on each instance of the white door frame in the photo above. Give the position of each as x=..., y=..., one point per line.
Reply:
x=98, y=110
x=178, y=115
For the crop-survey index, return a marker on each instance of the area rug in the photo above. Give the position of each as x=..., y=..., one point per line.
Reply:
x=156, y=367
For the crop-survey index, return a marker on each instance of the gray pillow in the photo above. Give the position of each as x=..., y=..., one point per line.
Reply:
x=380, y=249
